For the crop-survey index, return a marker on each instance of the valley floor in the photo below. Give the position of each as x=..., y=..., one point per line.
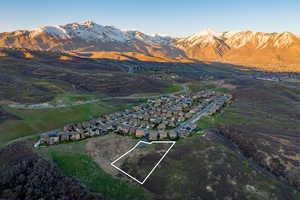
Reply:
x=249, y=150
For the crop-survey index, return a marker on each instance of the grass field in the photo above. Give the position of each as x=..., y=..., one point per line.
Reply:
x=175, y=88
x=35, y=121
x=71, y=158
x=196, y=87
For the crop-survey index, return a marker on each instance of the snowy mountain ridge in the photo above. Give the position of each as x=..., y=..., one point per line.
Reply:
x=245, y=47
x=91, y=31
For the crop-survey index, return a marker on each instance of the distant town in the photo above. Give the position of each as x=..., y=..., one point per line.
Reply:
x=164, y=117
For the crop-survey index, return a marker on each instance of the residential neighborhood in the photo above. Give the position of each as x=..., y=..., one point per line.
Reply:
x=164, y=117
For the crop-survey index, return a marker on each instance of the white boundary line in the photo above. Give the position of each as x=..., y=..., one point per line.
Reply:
x=142, y=182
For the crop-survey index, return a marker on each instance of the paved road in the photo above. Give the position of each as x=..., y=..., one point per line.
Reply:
x=184, y=90
x=202, y=112
x=199, y=114
x=47, y=106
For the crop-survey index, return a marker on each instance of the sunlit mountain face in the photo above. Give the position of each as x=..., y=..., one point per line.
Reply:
x=239, y=47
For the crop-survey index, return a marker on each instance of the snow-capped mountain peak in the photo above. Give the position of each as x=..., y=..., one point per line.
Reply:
x=88, y=23
x=91, y=32
x=203, y=37
x=206, y=32
x=55, y=30
x=207, y=44
x=228, y=34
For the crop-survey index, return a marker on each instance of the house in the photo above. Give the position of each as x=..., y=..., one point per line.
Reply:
x=143, y=124
x=132, y=131
x=184, y=133
x=181, y=119
x=139, y=132
x=123, y=128
x=169, y=114
x=188, y=115
x=53, y=137
x=63, y=136
x=75, y=136
x=181, y=114
x=173, y=134
x=172, y=124
x=103, y=130
x=151, y=126
x=152, y=119
x=86, y=134
x=161, y=126
x=44, y=139
x=161, y=113
x=193, y=111
x=68, y=128
x=127, y=111
x=163, y=134
x=152, y=135
x=136, y=108
x=94, y=132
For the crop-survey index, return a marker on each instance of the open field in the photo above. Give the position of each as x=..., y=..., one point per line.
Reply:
x=173, y=89
x=35, y=121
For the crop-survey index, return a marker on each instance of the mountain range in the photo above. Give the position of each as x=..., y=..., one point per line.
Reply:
x=238, y=47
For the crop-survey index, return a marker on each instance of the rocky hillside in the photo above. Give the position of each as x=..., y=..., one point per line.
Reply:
x=246, y=47
x=89, y=36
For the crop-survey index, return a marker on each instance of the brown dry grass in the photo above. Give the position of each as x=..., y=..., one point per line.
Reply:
x=65, y=58
x=2, y=54
x=129, y=56
x=28, y=55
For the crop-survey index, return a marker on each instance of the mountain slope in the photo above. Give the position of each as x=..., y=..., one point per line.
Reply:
x=258, y=49
x=246, y=47
x=88, y=36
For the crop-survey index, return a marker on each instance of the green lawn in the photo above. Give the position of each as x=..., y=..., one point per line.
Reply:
x=223, y=90
x=292, y=80
x=175, y=88
x=90, y=174
x=208, y=122
x=35, y=121
x=196, y=87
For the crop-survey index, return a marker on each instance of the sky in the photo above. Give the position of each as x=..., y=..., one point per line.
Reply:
x=171, y=17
